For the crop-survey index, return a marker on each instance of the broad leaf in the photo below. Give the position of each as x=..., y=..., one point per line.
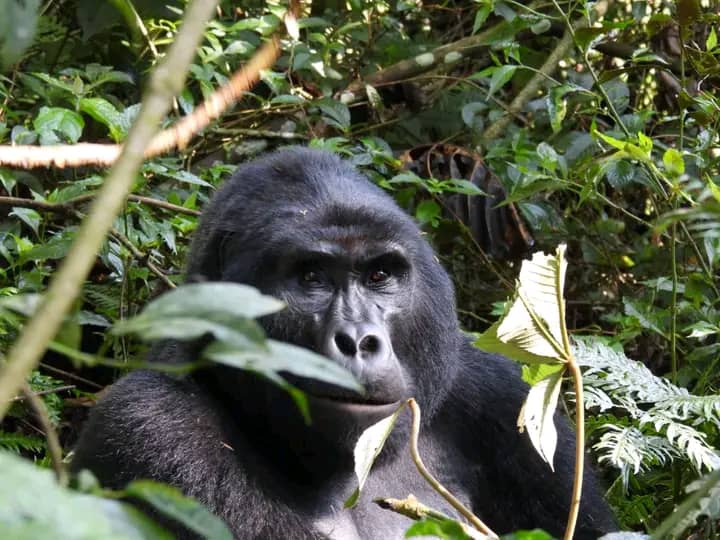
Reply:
x=105, y=112
x=170, y=502
x=57, y=125
x=536, y=415
x=225, y=310
x=368, y=448
x=33, y=506
x=533, y=322
x=281, y=357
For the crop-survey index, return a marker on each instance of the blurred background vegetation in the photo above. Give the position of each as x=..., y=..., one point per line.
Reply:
x=503, y=126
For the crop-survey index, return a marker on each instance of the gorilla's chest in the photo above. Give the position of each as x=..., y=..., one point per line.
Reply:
x=367, y=521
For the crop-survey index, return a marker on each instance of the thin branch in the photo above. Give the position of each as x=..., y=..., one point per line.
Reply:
x=51, y=436
x=167, y=80
x=67, y=206
x=414, y=509
x=444, y=57
x=177, y=136
x=140, y=256
x=437, y=486
x=47, y=392
x=530, y=90
x=579, y=448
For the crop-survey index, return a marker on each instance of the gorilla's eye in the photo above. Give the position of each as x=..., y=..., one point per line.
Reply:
x=378, y=277
x=311, y=277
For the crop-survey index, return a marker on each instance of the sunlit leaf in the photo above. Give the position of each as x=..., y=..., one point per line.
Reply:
x=368, y=448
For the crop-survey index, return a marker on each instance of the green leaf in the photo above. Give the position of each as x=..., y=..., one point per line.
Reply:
x=615, y=143
x=488, y=341
x=335, y=113
x=673, y=161
x=33, y=506
x=368, y=448
x=428, y=211
x=533, y=321
x=56, y=125
x=540, y=27
x=105, y=112
x=448, y=529
x=170, y=502
x=537, y=414
x=280, y=357
x=484, y=10
x=619, y=173
x=711, y=41
x=225, y=310
x=500, y=76
x=17, y=28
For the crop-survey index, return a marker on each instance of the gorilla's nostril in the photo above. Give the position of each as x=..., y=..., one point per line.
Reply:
x=370, y=344
x=345, y=343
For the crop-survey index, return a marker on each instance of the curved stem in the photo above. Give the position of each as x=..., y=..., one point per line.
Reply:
x=51, y=436
x=579, y=448
x=437, y=486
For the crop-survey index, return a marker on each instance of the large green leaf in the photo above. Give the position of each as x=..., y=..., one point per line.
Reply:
x=533, y=322
x=280, y=357
x=368, y=448
x=56, y=125
x=33, y=506
x=225, y=310
x=17, y=28
x=170, y=502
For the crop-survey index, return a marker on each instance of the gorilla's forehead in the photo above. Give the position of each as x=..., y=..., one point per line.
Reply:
x=341, y=228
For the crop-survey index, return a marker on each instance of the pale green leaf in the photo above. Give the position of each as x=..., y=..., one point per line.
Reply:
x=537, y=415
x=368, y=448
x=533, y=322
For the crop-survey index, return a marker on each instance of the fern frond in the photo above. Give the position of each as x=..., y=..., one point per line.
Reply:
x=630, y=450
x=626, y=381
x=696, y=409
x=686, y=439
x=658, y=409
x=17, y=442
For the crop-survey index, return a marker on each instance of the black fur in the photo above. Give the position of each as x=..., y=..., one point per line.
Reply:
x=306, y=227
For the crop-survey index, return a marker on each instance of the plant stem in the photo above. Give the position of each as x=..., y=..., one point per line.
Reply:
x=579, y=448
x=51, y=436
x=437, y=486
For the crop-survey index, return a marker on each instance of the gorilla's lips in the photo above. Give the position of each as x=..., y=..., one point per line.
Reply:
x=330, y=392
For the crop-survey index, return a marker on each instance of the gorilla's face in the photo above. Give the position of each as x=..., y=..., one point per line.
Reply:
x=345, y=290
x=361, y=285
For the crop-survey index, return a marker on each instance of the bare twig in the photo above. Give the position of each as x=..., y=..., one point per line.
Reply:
x=414, y=509
x=437, y=486
x=177, y=136
x=47, y=392
x=51, y=436
x=67, y=206
x=530, y=90
x=167, y=80
x=140, y=256
x=444, y=56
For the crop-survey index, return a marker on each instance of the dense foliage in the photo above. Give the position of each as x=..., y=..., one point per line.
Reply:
x=599, y=119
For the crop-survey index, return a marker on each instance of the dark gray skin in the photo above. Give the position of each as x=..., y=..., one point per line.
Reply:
x=364, y=288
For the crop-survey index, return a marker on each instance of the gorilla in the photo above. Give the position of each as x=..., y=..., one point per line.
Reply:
x=364, y=288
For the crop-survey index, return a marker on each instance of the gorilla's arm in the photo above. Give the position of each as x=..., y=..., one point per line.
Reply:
x=512, y=487
x=153, y=426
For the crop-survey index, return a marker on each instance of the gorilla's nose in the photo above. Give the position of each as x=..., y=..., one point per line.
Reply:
x=364, y=342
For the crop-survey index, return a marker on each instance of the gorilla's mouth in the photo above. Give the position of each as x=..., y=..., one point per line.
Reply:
x=321, y=390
